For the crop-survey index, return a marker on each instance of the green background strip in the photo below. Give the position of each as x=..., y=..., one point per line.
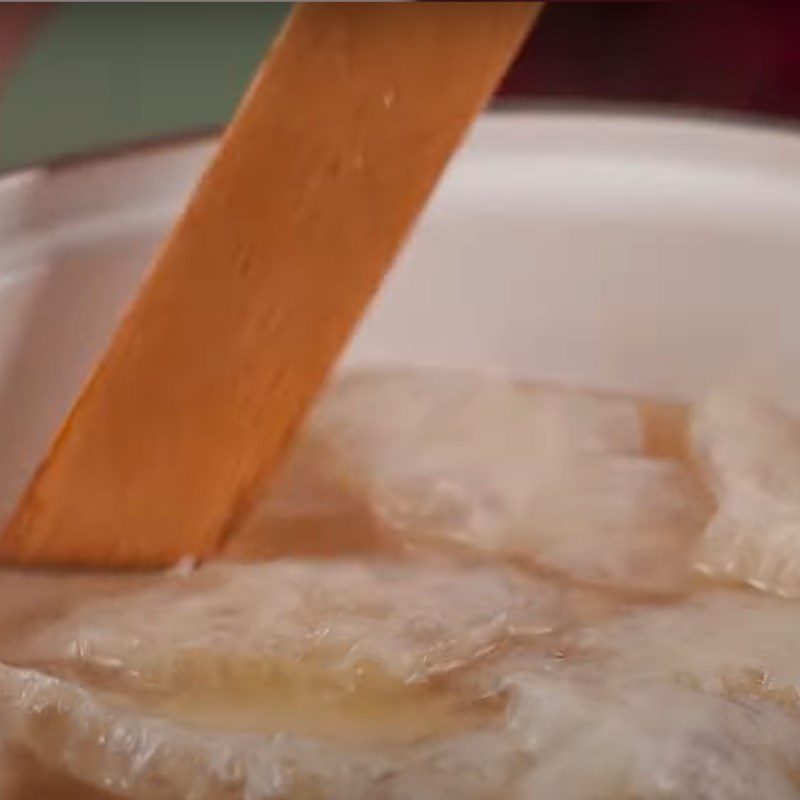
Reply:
x=100, y=75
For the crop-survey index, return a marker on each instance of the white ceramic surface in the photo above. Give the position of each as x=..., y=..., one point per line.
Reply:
x=658, y=255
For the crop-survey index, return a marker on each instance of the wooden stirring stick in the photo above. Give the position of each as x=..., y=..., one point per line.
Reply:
x=330, y=158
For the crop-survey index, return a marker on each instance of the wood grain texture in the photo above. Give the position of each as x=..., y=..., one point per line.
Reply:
x=330, y=158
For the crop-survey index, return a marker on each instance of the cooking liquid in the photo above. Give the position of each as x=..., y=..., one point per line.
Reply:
x=294, y=697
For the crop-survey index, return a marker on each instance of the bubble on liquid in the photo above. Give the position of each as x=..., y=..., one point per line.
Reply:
x=751, y=451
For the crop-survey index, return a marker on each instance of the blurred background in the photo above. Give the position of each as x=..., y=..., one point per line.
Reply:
x=75, y=78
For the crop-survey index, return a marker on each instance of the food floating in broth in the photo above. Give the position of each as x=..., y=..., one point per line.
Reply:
x=458, y=586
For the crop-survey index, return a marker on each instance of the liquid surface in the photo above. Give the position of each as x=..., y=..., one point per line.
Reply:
x=467, y=588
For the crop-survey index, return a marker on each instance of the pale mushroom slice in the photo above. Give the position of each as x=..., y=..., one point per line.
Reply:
x=621, y=521
x=735, y=644
x=559, y=739
x=437, y=449
x=347, y=622
x=23, y=777
x=137, y=755
x=306, y=679
x=751, y=451
x=599, y=741
x=438, y=458
x=593, y=724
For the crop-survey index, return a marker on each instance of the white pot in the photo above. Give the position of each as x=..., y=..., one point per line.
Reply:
x=645, y=254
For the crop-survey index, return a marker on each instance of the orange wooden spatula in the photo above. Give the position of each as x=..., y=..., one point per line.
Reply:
x=330, y=158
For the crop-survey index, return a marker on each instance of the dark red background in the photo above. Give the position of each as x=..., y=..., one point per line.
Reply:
x=729, y=54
